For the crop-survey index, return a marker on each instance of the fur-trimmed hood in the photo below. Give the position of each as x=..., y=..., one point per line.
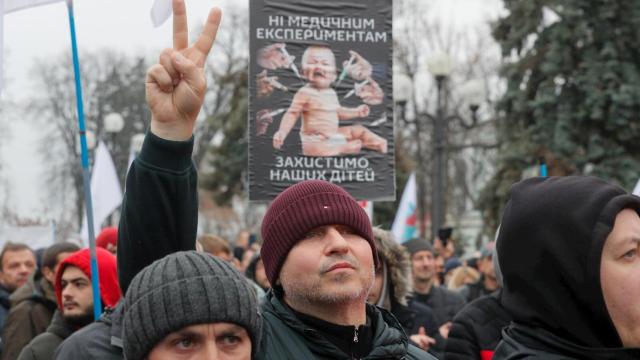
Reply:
x=398, y=265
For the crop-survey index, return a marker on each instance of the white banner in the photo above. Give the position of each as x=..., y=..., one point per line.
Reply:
x=636, y=191
x=35, y=236
x=15, y=5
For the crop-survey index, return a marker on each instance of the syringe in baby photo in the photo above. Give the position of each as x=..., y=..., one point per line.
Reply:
x=276, y=84
x=380, y=121
x=356, y=87
x=291, y=65
x=344, y=70
x=276, y=112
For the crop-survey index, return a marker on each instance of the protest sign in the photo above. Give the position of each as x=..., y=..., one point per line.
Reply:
x=321, y=105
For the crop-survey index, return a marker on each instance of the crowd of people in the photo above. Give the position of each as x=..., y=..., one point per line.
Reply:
x=559, y=282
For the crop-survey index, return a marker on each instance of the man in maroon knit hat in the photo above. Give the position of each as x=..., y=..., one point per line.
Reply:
x=320, y=257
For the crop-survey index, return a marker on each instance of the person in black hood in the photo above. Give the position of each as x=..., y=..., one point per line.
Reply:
x=569, y=251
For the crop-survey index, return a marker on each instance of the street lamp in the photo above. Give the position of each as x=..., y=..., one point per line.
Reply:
x=402, y=91
x=440, y=66
x=113, y=124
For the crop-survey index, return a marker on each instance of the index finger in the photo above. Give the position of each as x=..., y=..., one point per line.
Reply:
x=208, y=35
x=180, y=27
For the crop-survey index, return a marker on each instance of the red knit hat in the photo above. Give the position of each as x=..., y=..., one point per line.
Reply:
x=301, y=208
x=107, y=274
x=107, y=236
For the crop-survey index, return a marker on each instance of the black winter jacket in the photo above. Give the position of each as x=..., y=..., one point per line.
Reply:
x=474, y=290
x=526, y=343
x=160, y=206
x=101, y=340
x=286, y=337
x=444, y=303
x=477, y=329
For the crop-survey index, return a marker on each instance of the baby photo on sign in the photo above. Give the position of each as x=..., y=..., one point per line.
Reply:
x=317, y=103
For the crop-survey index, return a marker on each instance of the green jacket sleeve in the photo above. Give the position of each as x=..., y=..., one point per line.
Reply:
x=159, y=213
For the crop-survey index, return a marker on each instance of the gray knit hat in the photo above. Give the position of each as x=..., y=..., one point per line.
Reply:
x=416, y=244
x=183, y=289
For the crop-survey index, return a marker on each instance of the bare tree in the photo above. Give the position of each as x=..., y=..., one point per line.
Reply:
x=111, y=83
x=226, y=72
x=471, y=146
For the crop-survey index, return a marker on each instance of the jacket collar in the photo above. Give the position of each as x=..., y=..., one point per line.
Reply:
x=116, y=325
x=522, y=338
x=60, y=327
x=389, y=340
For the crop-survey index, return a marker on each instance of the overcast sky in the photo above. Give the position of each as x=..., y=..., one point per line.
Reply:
x=123, y=25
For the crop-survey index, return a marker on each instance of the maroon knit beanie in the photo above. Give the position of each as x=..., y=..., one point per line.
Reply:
x=301, y=208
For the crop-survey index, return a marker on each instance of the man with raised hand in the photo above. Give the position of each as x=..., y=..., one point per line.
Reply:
x=159, y=211
x=160, y=206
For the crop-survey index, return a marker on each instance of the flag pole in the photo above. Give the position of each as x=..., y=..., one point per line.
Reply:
x=97, y=303
x=543, y=167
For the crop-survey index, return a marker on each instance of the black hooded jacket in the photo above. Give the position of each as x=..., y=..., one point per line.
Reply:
x=477, y=329
x=549, y=249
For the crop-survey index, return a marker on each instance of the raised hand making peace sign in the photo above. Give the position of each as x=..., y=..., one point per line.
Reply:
x=175, y=87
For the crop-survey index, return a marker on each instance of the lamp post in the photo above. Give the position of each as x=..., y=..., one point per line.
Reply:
x=402, y=92
x=113, y=124
x=440, y=67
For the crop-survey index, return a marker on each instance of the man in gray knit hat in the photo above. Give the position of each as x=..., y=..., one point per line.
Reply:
x=190, y=305
x=444, y=303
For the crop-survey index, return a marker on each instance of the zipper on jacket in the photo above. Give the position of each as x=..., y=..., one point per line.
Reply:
x=355, y=334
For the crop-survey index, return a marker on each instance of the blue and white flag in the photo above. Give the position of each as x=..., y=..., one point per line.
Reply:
x=404, y=225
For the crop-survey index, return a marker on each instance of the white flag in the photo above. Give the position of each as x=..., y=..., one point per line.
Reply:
x=7, y=6
x=160, y=12
x=106, y=193
x=636, y=191
x=15, y=5
x=1, y=42
x=404, y=225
